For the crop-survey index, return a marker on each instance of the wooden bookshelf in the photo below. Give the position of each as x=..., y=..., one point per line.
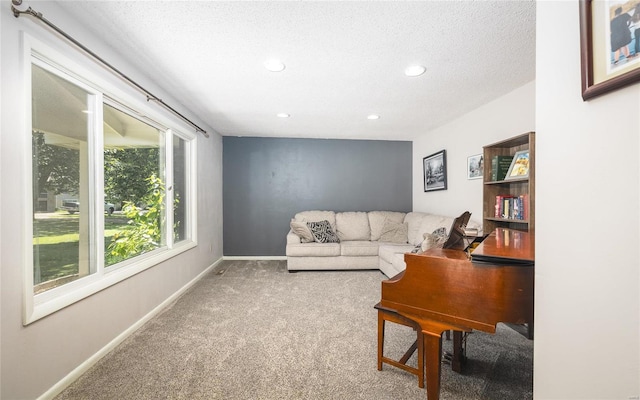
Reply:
x=524, y=187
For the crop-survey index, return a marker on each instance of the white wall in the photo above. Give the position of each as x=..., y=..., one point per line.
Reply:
x=587, y=301
x=507, y=116
x=36, y=357
x=587, y=242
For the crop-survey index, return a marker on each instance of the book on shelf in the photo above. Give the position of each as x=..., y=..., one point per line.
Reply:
x=499, y=167
x=512, y=207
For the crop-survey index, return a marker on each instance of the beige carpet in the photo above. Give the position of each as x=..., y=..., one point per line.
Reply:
x=252, y=330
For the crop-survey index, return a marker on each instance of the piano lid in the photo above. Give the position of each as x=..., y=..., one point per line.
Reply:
x=506, y=246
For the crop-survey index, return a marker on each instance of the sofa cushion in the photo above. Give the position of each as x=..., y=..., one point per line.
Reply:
x=313, y=250
x=398, y=262
x=352, y=226
x=301, y=229
x=359, y=248
x=322, y=232
x=377, y=220
x=394, y=232
x=388, y=252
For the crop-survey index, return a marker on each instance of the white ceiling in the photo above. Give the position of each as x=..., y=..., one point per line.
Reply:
x=344, y=60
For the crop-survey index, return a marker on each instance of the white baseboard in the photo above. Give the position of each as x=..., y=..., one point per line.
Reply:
x=84, y=367
x=258, y=258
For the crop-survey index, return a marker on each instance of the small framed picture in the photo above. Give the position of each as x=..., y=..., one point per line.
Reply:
x=475, y=166
x=435, y=171
x=519, y=166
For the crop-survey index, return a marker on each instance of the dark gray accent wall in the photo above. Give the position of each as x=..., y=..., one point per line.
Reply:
x=266, y=181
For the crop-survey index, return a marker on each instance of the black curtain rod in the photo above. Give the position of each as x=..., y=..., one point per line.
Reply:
x=149, y=95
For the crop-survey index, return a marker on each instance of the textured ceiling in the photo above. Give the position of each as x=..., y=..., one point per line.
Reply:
x=344, y=60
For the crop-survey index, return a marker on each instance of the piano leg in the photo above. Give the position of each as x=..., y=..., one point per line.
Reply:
x=420, y=341
x=433, y=354
x=380, y=340
x=458, y=354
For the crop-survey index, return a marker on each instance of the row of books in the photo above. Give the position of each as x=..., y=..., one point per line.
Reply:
x=512, y=207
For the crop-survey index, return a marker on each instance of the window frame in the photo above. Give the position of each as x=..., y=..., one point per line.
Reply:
x=37, y=306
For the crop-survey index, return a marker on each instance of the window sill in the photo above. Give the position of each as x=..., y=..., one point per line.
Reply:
x=58, y=298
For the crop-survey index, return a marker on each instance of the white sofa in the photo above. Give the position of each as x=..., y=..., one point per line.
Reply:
x=367, y=240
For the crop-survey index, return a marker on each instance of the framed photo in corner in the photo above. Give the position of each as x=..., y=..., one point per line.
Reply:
x=519, y=166
x=609, y=46
x=435, y=171
x=475, y=166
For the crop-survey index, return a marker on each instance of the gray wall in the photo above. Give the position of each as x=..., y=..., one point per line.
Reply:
x=267, y=180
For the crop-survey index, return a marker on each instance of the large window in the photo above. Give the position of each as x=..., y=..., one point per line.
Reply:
x=111, y=188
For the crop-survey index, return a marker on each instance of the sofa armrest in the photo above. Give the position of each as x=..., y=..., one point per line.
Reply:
x=292, y=238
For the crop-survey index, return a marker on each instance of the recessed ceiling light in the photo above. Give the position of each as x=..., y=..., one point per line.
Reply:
x=415, y=70
x=274, y=65
x=283, y=115
x=373, y=116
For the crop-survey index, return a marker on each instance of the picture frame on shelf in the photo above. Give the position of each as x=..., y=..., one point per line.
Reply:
x=609, y=46
x=475, y=166
x=434, y=168
x=519, y=166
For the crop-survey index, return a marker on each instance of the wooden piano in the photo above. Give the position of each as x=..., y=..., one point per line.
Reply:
x=442, y=289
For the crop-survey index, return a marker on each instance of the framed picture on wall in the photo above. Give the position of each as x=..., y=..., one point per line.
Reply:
x=609, y=45
x=435, y=171
x=475, y=166
x=519, y=166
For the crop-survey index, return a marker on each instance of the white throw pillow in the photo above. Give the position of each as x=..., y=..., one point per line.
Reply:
x=394, y=232
x=377, y=220
x=302, y=230
x=433, y=240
